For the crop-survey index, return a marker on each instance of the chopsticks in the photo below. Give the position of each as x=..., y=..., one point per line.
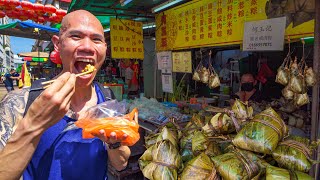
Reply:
x=48, y=83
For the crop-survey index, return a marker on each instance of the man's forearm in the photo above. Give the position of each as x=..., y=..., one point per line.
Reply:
x=18, y=151
x=119, y=157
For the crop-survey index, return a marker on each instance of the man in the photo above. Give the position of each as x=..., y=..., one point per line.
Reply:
x=9, y=77
x=132, y=88
x=248, y=90
x=35, y=145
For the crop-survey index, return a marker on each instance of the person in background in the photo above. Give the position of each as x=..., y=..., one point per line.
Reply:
x=33, y=141
x=248, y=91
x=132, y=88
x=9, y=77
x=224, y=75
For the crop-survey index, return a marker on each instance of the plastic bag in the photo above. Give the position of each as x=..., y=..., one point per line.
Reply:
x=109, y=117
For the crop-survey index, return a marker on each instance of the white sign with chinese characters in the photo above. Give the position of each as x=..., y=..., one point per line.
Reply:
x=164, y=60
x=265, y=35
x=167, y=84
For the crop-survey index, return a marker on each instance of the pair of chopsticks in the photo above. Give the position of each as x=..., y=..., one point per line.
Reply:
x=48, y=83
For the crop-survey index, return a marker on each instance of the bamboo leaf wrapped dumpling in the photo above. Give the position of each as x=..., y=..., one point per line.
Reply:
x=284, y=174
x=186, y=147
x=199, y=168
x=219, y=124
x=242, y=110
x=263, y=133
x=237, y=165
x=294, y=153
x=165, y=162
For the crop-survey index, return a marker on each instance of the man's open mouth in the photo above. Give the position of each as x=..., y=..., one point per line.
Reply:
x=81, y=64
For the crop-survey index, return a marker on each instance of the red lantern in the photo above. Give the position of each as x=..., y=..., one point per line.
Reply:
x=13, y=3
x=38, y=8
x=55, y=57
x=49, y=9
x=41, y=19
x=26, y=5
x=2, y=3
x=2, y=14
x=61, y=12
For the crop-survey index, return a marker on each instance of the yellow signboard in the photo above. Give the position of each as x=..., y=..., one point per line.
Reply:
x=201, y=23
x=181, y=62
x=126, y=39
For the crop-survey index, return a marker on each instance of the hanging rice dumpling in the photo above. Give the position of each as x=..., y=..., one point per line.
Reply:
x=284, y=174
x=310, y=76
x=161, y=161
x=263, y=133
x=219, y=124
x=204, y=76
x=297, y=83
x=287, y=93
x=199, y=168
x=294, y=154
x=301, y=99
x=283, y=75
x=196, y=76
x=214, y=81
x=237, y=165
x=242, y=110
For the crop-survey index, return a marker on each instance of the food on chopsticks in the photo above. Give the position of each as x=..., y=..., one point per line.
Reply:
x=263, y=133
x=127, y=124
x=87, y=70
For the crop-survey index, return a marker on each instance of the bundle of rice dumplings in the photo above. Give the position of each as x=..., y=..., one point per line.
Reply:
x=283, y=174
x=237, y=165
x=242, y=110
x=199, y=168
x=263, y=133
x=294, y=153
x=168, y=134
x=219, y=124
x=160, y=161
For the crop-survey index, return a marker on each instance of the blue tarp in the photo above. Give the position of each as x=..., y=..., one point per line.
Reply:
x=39, y=26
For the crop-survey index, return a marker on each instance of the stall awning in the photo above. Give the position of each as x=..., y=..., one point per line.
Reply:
x=35, y=59
x=26, y=30
x=34, y=54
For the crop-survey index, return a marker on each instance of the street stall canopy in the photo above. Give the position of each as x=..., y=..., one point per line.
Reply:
x=137, y=10
x=27, y=30
x=34, y=54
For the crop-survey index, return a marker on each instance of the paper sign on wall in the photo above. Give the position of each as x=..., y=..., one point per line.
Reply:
x=164, y=60
x=182, y=62
x=265, y=35
x=167, y=84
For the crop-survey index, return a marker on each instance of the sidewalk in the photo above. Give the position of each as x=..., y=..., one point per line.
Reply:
x=3, y=91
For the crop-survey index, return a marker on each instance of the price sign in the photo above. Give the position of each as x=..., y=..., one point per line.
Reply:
x=265, y=35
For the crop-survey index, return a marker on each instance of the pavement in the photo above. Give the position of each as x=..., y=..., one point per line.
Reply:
x=3, y=91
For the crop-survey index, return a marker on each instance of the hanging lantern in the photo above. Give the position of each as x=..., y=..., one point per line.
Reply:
x=53, y=18
x=13, y=3
x=26, y=5
x=2, y=4
x=38, y=8
x=41, y=19
x=2, y=14
x=48, y=8
x=55, y=57
x=61, y=12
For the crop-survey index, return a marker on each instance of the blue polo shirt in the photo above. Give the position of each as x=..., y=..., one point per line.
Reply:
x=65, y=155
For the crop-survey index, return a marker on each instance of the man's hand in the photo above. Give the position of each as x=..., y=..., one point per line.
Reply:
x=52, y=104
x=118, y=157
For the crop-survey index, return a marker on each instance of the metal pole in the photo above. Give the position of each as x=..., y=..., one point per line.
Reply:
x=315, y=90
